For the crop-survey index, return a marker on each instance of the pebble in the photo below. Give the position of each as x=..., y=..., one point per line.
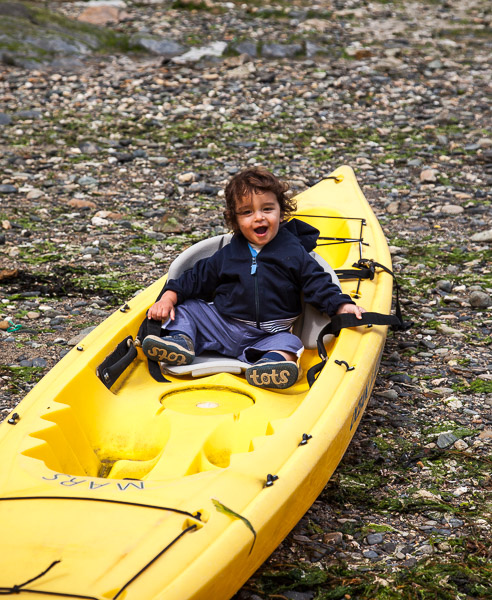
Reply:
x=480, y=300
x=374, y=538
x=482, y=236
x=8, y=189
x=452, y=209
x=429, y=175
x=446, y=439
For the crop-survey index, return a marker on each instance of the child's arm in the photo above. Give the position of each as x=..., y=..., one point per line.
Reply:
x=163, y=308
x=351, y=309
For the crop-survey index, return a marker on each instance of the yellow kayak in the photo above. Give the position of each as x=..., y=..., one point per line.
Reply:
x=179, y=490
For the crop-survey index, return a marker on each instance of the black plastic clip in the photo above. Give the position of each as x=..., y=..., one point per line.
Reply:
x=271, y=479
x=125, y=308
x=13, y=419
x=305, y=439
x=345, y=364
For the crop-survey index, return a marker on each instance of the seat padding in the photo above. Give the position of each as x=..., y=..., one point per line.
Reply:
x=208, y=363
x=195, y=253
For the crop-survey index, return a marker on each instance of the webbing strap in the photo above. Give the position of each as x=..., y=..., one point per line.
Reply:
x=116, y=363
x=339, y=322
x=152, y=327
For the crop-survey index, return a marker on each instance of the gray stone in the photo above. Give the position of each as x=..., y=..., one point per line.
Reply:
x=293, y=595
x=374, y=538
x=482, y=236
x=28, y=114
x=39, y=362
x=6, y=188
x=88, y=148
x=281, y=50
x=444, y=285
x=249, y=48
x=445, y=440
x=87, y=181
x=480, y=300
x=161, y=47
x=5, y=119
x=389, y=394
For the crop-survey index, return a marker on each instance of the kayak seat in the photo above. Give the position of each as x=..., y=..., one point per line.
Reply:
x=307, y=326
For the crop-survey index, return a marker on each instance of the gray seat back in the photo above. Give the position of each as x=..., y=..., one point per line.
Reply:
x=196, y=252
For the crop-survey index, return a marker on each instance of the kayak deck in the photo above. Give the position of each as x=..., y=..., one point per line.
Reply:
x=113, y=477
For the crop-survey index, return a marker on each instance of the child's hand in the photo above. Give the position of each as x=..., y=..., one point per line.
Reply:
x=164, y=308
x=351, y=309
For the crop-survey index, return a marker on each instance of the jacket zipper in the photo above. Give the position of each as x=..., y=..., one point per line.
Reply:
x=254, y=266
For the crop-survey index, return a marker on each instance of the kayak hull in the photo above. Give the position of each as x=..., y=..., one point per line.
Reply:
x=181, y=490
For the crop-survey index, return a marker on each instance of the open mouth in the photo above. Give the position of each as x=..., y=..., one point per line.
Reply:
x=261, y=230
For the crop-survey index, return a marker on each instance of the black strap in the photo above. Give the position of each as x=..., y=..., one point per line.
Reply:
x=365, y=268
x=355, y=273
x=114, y=364
x=339, y=322
x=125, y=353
x=151, y=327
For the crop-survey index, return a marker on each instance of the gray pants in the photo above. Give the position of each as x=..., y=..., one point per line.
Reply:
x=211, y=332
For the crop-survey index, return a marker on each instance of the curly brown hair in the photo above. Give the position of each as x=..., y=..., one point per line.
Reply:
x=255, y=180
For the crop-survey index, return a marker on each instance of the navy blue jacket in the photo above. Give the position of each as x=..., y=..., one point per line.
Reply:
x=284, y=270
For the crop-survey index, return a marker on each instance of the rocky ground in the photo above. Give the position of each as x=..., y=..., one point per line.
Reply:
x=112, y=163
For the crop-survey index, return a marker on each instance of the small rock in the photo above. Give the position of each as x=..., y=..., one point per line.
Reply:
x=334, y=537
x=33, y=315
x=482, y=236
x=81, y=203
x=103, y=14
x=445, y=440
x=480, y=300
x=429, y=175
x=39, y=362
x=88, y=148
x=186, y=177
x=460, y=445
x=87, y=181
x=5, y=119
x=445, y=285
x=281, y=50
x=389, y=394
x=452, y=209
x=374, y=538
x=35, y=194
x=7, y=188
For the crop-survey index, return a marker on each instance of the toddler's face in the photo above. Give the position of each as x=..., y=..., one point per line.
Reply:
x=258, y=217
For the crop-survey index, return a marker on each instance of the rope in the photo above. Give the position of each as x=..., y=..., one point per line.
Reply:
x=110, y=501
x=20, y=588
x=190, y=528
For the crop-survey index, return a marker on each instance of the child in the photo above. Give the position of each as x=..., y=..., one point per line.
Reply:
x=242, y=301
